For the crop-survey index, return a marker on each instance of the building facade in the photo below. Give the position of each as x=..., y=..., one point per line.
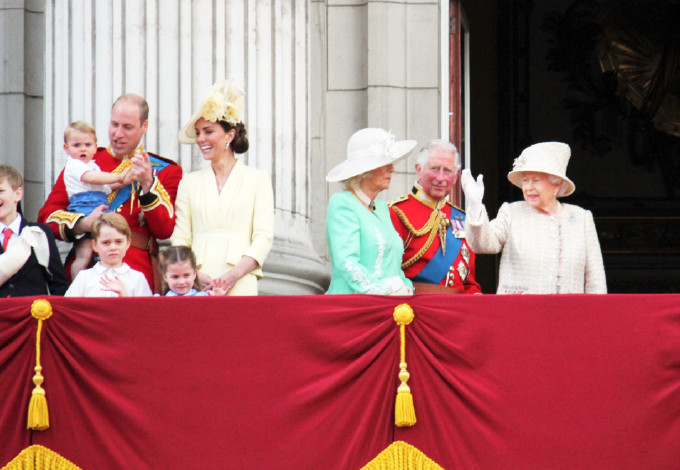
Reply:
x=313, y=72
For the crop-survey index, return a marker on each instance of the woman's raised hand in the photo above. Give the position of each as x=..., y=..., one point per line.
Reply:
x=474, y=192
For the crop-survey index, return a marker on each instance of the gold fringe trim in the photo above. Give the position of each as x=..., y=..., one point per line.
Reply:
x=404, y=411
x=38, y=415
x=402, y=456
x=39, y=458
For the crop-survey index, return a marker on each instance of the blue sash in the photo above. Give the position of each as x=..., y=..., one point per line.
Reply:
x=436, y=270
x=125, y=192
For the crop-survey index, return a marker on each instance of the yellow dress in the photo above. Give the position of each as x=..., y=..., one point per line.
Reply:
x=223, y=227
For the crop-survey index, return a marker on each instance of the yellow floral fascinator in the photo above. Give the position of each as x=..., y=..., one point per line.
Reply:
x=224, y=102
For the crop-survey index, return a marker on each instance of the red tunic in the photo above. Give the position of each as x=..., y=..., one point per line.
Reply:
x=151, y=214
x=461, y=273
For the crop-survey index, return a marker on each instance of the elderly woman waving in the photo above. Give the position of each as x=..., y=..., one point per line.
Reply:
x=547, y=247
x=365, y=249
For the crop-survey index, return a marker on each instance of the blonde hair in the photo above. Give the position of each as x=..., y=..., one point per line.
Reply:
x=113, y=220
x=353, y=183
x=12, y=175
x=79, y=126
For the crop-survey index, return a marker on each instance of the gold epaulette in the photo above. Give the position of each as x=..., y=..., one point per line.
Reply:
x=398, y=200
x=455, y=207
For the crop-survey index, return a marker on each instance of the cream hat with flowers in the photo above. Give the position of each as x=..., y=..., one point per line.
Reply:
x=369, y=149
x=547, y=157
x=224, y=102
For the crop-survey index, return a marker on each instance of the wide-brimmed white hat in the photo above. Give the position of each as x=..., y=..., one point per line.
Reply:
x=547, y=157
x=369, y=149
x=224, y=102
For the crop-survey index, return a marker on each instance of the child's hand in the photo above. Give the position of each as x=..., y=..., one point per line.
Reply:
x=126, y=177
x=113, y=284
x=219, y=287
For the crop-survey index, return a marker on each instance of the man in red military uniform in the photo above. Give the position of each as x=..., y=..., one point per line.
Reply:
x=147, y=203
x=437, y=257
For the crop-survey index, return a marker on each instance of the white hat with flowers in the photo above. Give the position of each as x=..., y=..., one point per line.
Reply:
x=369, y=149
x=546, y=157
x=224, y=102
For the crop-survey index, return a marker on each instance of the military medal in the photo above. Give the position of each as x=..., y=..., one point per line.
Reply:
x=463, y=271
x=465, y=253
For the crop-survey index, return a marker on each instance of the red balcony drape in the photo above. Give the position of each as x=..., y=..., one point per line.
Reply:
x=512, y=382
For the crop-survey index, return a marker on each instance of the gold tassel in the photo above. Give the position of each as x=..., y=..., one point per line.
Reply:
x=404, y=411
x=38, y=414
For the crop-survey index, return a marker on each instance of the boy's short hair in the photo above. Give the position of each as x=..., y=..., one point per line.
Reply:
x=111, y=219
x=12, y=175
x=80, y=126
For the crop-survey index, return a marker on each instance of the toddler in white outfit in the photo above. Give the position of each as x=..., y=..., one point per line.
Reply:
x=87, y=186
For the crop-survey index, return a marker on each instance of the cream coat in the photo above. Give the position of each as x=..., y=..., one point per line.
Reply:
x=223, y=227
x=542, y=254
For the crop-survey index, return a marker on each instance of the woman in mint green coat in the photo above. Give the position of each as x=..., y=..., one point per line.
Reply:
x=365, y=250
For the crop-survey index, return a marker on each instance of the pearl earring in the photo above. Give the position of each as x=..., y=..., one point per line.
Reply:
x=227, y=145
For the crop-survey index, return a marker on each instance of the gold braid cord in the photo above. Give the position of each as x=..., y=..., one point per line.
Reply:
x=404, y=412
x=431, y=226
x=39, y=458
x=38, y=416
x=399, y=456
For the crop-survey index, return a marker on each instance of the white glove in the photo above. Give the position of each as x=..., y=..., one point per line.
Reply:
x=474, y=192
x=397, y=286
x=403, y=290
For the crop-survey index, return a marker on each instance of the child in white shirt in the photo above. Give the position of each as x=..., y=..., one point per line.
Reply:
x=110, y=277
x=87, y=186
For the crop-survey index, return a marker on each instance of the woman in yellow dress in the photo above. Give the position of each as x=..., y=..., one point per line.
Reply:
x=224, y=212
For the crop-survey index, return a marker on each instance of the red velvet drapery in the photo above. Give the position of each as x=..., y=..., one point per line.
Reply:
x=499, y=382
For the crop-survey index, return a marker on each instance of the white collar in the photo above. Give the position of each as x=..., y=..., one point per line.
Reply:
x=100, y=269
x=15, y=225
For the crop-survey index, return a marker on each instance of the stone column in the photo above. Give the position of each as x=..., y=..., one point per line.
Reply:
x=385, y=67
x=171, y=51
x=21, y=95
